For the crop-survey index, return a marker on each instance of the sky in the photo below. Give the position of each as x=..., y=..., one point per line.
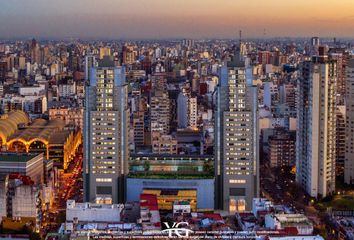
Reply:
x=154, y=19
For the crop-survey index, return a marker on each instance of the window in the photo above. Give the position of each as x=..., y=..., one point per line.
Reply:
x=239, y=181
x=103, y=179
x=104, y=190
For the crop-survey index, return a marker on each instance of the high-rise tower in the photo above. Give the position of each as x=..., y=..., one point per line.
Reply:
x=236, y=138
x=316, y=126
x=349, y=139
x=106, y=134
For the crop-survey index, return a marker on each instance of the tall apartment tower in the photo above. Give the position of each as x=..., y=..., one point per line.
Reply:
x=160, y=106
x=106, y=134
x=316, y=126
x=349, y=151
x=236, y=138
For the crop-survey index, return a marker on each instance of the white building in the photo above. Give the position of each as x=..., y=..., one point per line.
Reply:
x=261, y=204
x=316, y=127
x=91, y=212
x=349, y=154
x=20, y=197
x=67, y=88
x=29, y=104
x=270, y=94
x=280, y=221
x=31, y=91
x=181, y=207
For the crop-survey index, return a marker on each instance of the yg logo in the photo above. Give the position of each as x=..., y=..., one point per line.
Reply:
x=176, y=230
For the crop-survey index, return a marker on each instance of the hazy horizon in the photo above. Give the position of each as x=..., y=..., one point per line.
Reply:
x=156, y=19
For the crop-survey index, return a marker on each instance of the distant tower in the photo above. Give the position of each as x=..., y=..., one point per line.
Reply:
x=315, y=44
x=315, y=41
x=35, y=52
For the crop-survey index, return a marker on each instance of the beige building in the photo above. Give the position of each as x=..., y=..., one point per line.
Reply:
x=138, y=127
x=160, y=114
x=105, y=51
x=71, y=116
x=164, y=144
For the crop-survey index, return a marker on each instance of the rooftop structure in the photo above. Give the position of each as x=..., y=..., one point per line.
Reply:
x=28, y=164
x=281, y=221
x=91, y=212
x=261, y=204
x=10, y=122
x=49, y=137
x=164, y=165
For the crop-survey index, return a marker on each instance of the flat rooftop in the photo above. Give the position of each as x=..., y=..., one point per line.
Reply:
x=17, y=157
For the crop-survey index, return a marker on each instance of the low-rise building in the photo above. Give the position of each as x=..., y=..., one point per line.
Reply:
x=71, y=116
x=92, y=212
x=181, y=207
x=260, y=205
x=149, y=212
x=27, y=164
x=164, y=144
x=20, y=199
x=281, y=221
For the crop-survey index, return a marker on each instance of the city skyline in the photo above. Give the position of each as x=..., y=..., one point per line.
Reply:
x=191, y=119
x=193, y=19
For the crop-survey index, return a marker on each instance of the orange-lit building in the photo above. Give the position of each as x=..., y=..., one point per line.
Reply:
x=53, y=138
x=72, y=116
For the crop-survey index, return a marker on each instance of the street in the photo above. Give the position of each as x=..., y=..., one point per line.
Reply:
x=70, y=187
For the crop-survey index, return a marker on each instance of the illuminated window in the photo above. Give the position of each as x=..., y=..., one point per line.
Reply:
x=103, y=179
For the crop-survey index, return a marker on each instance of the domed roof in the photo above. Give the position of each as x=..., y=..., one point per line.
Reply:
x=9, y=123
x=39, y=129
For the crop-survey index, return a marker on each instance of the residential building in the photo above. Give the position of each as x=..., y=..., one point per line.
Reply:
x=349, y=137
x=236, y=138
x=316, y=126
x=164, y=144
x=106, y=133
x=282, y=146
x=193, y=113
